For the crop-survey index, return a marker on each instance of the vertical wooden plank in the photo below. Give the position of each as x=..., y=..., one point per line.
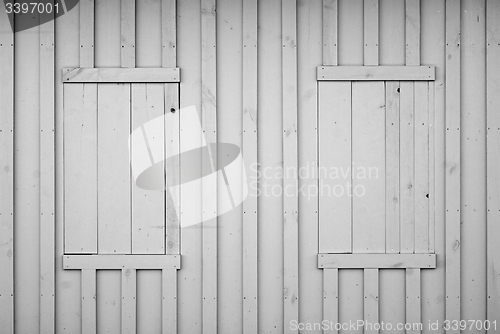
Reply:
x=370, y=32
x=209, y=186
x=413, y=305
x=368, y=161
x=392, y=199
x=407, y=191
x=148, y=207
x=331, y=297
x=350, y=50
x=80, y=153
x=86, y=33
x=392, y=32
x=351, y=297
x=109, y=301
x=127, y=33
x=47, y=177
x=493, y=159
x=330, y=32
x=88, y=290
x=335, y=202
x=129, y=289
x=290, y=160
x=168, y=33
x=149, y=301
x=412, y=32
x=421, y=169
x=7, y=176
x=453, y=214
x=172, y=146
x=114, y=216
x=432, y=171
x=169, y=301
x=370, y=305
x=249, y=151
x=107, y=32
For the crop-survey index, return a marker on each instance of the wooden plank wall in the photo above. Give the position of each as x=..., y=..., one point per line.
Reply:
x=471, y=143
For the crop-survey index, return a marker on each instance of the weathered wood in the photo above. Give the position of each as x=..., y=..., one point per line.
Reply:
x=47, y=178
x=371, y=260
x=407, y=174
x=127, y=35
x=371, y=300
x=121, y=261
x=116, y=75
x=331, y=297
x=148, y=207
x=86, y=33
x=368, y=157
x=335, y=175
x=89, y=310
x=114, y=216
x=421, y=169
x=172, y=147
x=80, y=154
x=168, y=33
x=413, y=300
x=169, y=301
x=493, y=159
x=370, y=32
x=376, y=73
x=392, y=212
x=249, y=151
x=290, y=160
x=209, y=185
x=453, y=215
x=129, y=304
x=7, y=177
x=330, y=32
x=412, y=32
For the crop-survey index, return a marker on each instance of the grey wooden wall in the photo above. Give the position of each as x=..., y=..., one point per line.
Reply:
x=266, y=58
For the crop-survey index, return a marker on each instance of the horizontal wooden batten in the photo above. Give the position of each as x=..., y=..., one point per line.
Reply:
x=121, y=261
x=376, y=73
x=395, y=261
x=118, y=75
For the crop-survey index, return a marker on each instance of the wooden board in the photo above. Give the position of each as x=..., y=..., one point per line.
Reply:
x=80, y=153
x=376, y=73
x=73, y=75
x=330, y=32
x=249, y=151
x=335, y=177
x=413, y=300
x=371, y=260
x=453, y=215
x=114, y=193
x=290, y=160
x=168, y=33
x=7, y=176
x=109, y=301
x=368, y=157
x=370, y=32
x=169, y=301
x=87, y=33
x=412, y=32
x=47, y=178
x=406, y=160
x=129, y=297
x=392, y=198
x=493, y=160
x=148, y=207
x=121, y=261
x=371, y=300
x=331, y=297
x=127, y=38
x=88, y=295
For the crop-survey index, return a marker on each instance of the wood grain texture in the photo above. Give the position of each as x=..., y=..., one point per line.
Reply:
x=290, y=160
x=453, y=214
x=392, y=198
x=7, y=176
x=209, y=185
x=116, y=75
x=121, y=261
x=249, y=151
x=335, y=175
x=330, y=32
x=493, y=160
x=370, y=32
x=375, y=73
x=371, y=260
x=114, y=183
x=47, y=177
